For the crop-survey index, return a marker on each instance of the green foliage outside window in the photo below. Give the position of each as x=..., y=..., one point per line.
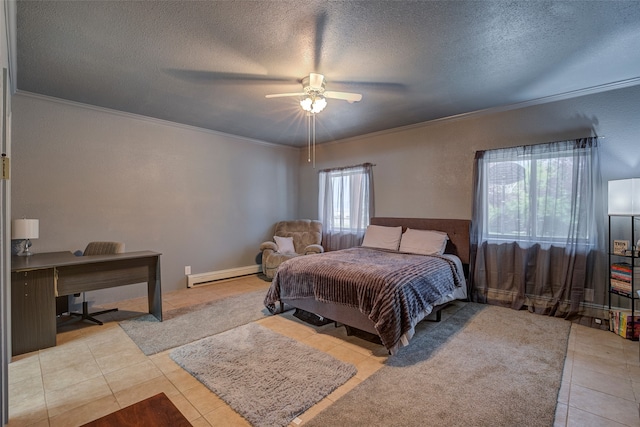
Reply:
x=530, y=199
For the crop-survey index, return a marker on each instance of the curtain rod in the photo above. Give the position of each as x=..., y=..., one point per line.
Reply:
x=346, y=167
x=540, y=143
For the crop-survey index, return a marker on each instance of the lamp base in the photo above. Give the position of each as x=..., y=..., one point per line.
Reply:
x=25, y=250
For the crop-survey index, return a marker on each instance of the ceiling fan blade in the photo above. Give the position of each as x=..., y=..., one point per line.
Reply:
x=347, y=96
x=373, y=85
x=203, y=76
x=280, y=95
x=321, y=21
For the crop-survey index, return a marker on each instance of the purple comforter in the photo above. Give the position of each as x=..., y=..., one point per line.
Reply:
x=395, y=290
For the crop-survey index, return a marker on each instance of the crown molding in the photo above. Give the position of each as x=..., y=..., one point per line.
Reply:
x=147, y=119
x=515, y=106
x=472, y=114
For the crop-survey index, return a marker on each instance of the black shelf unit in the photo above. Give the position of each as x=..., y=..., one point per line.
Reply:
x=625, y=227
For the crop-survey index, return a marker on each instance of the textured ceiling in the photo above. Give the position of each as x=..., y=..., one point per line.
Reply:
x=210, y=64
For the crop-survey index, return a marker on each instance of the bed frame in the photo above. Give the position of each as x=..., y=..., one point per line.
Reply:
x=458, y=244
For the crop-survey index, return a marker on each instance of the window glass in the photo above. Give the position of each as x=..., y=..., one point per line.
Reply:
x=531, y=199
x=345, y=205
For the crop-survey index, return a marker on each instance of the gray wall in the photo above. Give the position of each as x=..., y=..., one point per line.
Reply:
x=207, y=200
x=201, y=198
x=427, y=170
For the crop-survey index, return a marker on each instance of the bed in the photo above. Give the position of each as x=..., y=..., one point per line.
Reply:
x=380, y=291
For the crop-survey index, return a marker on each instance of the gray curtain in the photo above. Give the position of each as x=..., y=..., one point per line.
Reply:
x=537, y=232
x=345, y=205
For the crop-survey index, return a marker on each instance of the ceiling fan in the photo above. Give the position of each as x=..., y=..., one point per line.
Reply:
x=313, y=101
x=314, y=94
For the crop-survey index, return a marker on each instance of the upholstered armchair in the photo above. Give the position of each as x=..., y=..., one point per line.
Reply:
x=291, y=239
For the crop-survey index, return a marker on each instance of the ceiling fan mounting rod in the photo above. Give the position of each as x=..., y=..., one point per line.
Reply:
x=314, y=84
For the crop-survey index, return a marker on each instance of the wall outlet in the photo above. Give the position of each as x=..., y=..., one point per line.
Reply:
x=187, y=269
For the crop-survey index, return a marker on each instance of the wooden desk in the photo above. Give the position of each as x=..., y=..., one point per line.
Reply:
x=36, y=281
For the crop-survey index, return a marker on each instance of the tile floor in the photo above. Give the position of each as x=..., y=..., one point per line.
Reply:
x=95, y=370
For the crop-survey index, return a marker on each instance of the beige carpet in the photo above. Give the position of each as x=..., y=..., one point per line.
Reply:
x=482, y=366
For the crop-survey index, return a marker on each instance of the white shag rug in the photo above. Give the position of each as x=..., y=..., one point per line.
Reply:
x=266, y=377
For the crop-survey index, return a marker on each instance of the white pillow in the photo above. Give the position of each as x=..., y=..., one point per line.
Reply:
x=378, y=236
x=285, y=244
x=424, y=242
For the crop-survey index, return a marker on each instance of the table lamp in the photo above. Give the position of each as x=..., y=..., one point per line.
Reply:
x=25, y=229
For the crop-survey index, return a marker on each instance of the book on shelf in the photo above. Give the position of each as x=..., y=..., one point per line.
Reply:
x=624, y=271
x=620, y=276
x=621, y=283
x=621, y=287
x=622, y=323
x=624, y=267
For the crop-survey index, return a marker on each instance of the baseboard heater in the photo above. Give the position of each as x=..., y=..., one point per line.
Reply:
x=202, y=279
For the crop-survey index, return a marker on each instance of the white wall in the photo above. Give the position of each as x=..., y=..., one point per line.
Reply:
x=201, y=198
x=427, y=170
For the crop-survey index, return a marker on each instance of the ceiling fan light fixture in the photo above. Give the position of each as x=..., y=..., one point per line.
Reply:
x=314, y=100
x=313, y=103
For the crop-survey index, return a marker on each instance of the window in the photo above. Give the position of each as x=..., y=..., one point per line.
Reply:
x=536, y=231
x=345, y=205
x=535, y=193
x=532, y=198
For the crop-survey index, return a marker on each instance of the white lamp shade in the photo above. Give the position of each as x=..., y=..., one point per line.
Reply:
x=624, y=197
x=25, y=229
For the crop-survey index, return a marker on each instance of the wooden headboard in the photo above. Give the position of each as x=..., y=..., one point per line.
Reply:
x=457, y=229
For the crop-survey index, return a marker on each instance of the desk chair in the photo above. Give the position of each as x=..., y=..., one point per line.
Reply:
x=97, y=248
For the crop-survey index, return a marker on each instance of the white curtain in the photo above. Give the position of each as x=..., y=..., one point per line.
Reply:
x=345, y=205
x=537, y=230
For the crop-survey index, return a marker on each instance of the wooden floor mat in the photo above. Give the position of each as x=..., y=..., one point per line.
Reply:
x=157, y=411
